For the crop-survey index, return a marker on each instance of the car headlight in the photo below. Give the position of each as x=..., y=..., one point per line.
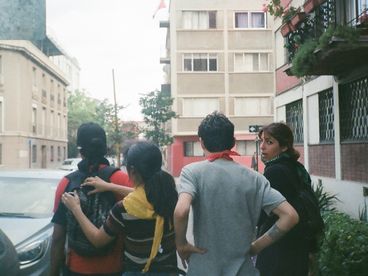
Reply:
x=33, y=249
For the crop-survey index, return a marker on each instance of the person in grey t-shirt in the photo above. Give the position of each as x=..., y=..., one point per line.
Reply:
x=227, y=199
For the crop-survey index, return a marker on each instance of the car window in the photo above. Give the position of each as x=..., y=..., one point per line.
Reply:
x=67, y=162
x=27, y=197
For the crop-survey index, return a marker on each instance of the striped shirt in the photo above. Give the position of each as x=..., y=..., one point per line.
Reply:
x=138, y=238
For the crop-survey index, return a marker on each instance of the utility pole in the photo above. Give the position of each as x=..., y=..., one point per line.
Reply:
x=117, y=144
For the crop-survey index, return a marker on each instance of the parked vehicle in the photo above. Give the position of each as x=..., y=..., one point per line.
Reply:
x=70, y=164
x=26, y=208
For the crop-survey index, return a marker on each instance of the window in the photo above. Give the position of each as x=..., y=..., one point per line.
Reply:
x=245, y=147
x=353, y=101
x=294, y=119
x=34, y=120
x=52, y=120
x=1, y=154
x=199, y=20
x=34, y=153
x=59, y=125
x=326, y=116
x=58, y=153
x=250, y=20
x=1, y=65
x=251, y=62
x=1, y=115
x=200, y=62
x=64, y=153
x=34, y=76
x=193, y=149
x=43, y=121
x=253, y=106
x=199, y=107
x=52, y=153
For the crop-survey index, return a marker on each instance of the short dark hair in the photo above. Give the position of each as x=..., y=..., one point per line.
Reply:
x=217, y=132
x=91, y=140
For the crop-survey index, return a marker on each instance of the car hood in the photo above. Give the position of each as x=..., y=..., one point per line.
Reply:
x=20, y=229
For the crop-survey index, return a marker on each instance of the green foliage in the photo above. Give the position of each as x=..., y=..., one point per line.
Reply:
x=363, y=213
x=304, y=58
x=344, y=250
x=83, y=109
x=326, y=200
x=156, y=110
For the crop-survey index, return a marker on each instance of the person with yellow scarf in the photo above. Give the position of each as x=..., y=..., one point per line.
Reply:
x=144, y=216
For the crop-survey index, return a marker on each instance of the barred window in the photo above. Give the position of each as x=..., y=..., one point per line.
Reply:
x=294, y=119
x=326, y=116
x=353, y=101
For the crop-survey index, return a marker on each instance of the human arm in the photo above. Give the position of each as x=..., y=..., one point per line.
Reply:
x=181, y=214
x=103, y=186
x=57, y=255
x=288, y=218
x=97, y=236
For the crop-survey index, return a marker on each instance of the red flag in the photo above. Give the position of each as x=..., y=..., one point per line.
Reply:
x=162, y=5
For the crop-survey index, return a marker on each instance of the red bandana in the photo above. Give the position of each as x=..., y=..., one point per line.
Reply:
x=223, y=154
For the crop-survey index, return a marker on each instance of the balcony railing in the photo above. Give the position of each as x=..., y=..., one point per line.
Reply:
x=327, y=43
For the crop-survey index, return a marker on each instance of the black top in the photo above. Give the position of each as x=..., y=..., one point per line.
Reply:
x=289, y=255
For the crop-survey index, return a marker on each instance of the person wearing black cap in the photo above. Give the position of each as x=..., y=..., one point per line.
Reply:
x=91, y=142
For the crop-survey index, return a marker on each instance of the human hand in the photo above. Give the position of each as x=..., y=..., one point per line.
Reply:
x=97, y=183
x=71, y=201
x=186, y=250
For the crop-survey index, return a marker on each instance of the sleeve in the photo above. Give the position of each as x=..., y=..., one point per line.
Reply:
x=114, y=223
x=121, y=178
x=271, y=198
x=187, y=183
x=59, y=208
x=59, y=191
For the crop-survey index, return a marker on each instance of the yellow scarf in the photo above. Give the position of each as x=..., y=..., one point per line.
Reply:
x=136, y=204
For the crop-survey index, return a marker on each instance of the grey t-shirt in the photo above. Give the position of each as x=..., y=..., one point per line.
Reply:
x=227, y=202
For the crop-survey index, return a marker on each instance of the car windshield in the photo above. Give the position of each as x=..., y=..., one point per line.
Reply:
x=27, y=197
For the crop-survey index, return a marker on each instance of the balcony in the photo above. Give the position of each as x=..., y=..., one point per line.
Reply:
x=328, y=42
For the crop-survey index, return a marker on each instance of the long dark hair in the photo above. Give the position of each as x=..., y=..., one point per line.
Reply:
x=146, y=160
x=283, y=134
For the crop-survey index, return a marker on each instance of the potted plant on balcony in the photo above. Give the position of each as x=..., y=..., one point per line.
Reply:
x=311, y=5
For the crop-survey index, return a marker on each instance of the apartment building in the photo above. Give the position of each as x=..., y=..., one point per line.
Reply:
x=219, y=57
x=33, y=113
x=327, y=105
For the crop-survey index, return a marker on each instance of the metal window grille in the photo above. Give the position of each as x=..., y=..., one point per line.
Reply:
x=353, y=98
x=326, y=116
x=294, y=119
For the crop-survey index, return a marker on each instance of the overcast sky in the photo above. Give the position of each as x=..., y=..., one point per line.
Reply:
x=112, y=34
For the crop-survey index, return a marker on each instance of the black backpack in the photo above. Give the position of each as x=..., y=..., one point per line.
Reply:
x=310, y=220
x=96, y=207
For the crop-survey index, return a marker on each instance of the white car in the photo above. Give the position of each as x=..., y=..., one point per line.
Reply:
x=26, y=209
x=70, y=164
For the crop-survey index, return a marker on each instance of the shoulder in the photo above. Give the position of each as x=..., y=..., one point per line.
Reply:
x=121, y=178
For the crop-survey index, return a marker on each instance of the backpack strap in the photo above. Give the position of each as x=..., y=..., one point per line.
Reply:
x=75, y=180
x=106, y=172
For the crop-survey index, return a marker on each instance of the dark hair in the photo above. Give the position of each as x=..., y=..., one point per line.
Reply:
x=146, y=160
x=216, y=132
x=283, y=134
x=91, y=142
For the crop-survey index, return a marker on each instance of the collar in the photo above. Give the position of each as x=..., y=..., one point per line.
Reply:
x=222, y=154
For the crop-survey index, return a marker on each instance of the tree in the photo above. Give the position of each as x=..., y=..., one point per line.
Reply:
x=81, y=109
x=84, y=109
x=156, y=110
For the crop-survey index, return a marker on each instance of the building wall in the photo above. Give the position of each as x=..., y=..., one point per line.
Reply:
x=224, y=85
x=34, y=112
x=339, y=165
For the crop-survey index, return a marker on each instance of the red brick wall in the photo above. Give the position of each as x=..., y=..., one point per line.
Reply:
x=301, y=151
x=354, y=162
x=283, y=81
x=322, y=160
